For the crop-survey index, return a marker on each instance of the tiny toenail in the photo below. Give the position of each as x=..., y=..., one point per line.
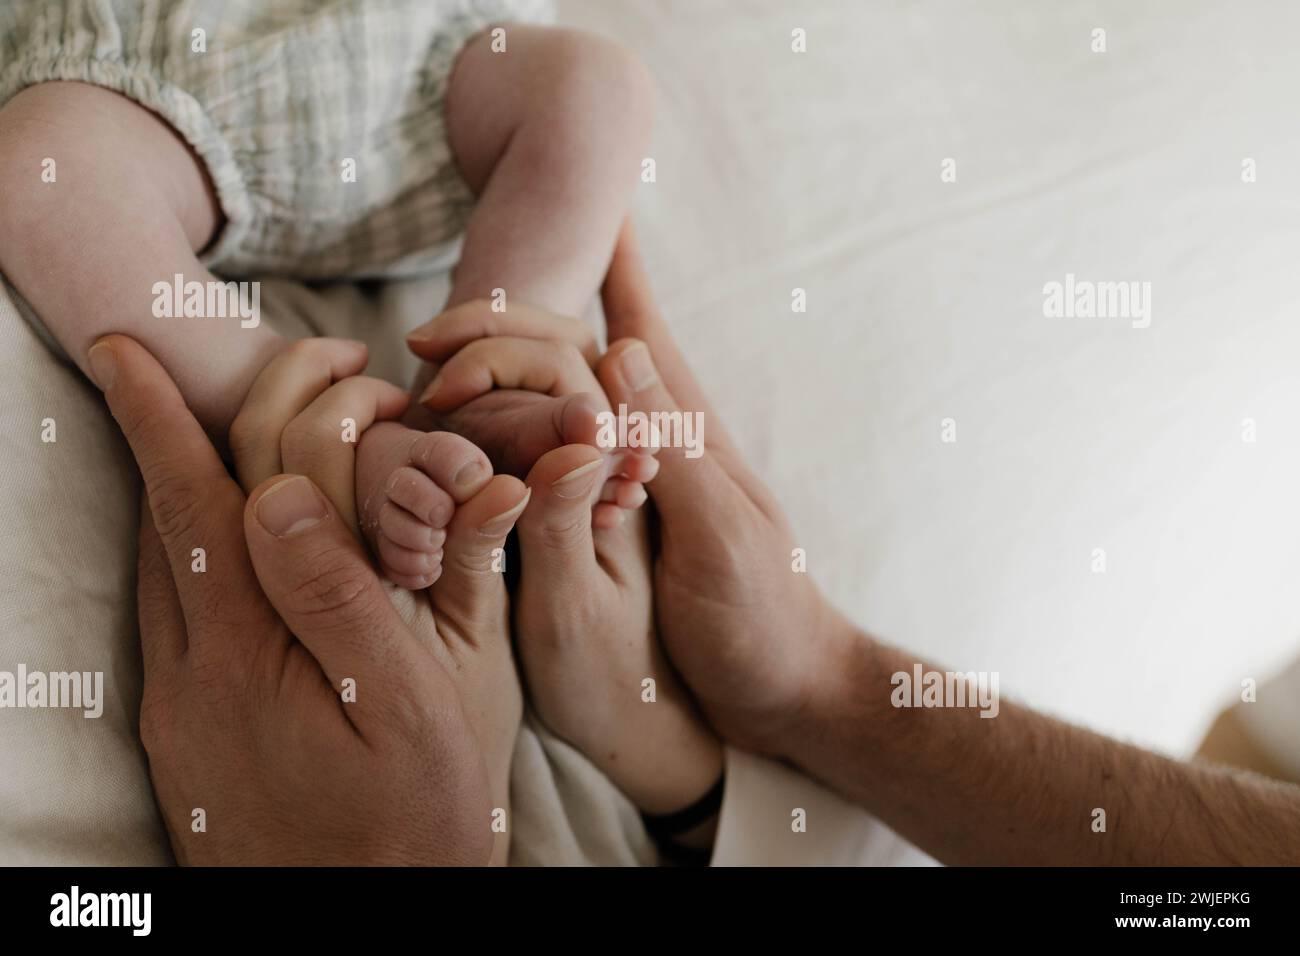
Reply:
x=496, y=527
x=577, y=482
x=469, y=475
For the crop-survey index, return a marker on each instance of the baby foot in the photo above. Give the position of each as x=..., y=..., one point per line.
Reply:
x=515, y=428
x=409, y=484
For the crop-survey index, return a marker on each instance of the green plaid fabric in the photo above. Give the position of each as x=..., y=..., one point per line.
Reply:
x=276, y=96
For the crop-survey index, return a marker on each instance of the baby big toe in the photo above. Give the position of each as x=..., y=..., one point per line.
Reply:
x=453, y=464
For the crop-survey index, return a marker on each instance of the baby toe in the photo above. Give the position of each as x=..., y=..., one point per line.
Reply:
x=407, y=568
x=406, y=530
x=453, y=463
x=418, y=493
x=622, y=493
x=606, y=516
x=633, y=466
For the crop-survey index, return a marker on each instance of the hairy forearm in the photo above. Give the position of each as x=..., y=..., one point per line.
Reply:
x=1024, y=788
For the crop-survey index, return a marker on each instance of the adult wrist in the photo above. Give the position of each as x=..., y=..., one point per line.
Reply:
x=835, y=654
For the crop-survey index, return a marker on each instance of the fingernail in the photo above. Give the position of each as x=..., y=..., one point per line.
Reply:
x=430, y=389
x=422, y=334
x=638, y=370
x=469, y=475
x=495, y=527
x=577, y=482
x=103, y=365
x=289, y=507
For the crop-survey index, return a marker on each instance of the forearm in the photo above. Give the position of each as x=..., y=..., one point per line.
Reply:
x=1024, y=788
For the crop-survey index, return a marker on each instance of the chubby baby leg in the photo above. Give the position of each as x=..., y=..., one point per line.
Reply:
x=549, y=132
x=99, y=202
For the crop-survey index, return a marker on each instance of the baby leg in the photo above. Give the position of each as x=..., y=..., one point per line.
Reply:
x=99, y=201
x=549, y=134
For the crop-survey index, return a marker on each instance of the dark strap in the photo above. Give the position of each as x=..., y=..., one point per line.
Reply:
x=664, y=828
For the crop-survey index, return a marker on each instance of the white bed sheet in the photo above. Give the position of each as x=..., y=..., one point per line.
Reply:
x=821, y=171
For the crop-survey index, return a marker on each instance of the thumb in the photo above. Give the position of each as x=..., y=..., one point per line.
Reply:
x=319, y=580
x=686, y=468
x=471, y=590
x=555, y=538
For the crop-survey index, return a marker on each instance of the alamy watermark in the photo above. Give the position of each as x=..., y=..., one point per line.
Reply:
x=1085, y=299
x=923, y=688
x=637, y=429
x=208, y=300
x=74, y=908
x=76, y=690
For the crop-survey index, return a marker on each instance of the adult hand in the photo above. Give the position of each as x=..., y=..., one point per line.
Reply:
x=292, y=420
x=744, y=629
x=584, y=622
x=254, y=755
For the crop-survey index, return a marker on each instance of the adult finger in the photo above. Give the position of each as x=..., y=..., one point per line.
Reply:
x=288, y=384
x=445, y=335
x=320, y=581
x=548, y=367
x=631, y=312
x=192, y=500
x=321, y=441
x=471, y=590
x=555, y=536
x=162, y=622
x=688, y=476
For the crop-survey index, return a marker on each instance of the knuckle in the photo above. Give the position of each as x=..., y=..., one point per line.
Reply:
x=335, y=590
x=144, y=416
x=155, y=719
x=565, y=535
x=222, y=680
x=468, y=562
x=247, y=435
x=178, y=506
x=304, y=437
